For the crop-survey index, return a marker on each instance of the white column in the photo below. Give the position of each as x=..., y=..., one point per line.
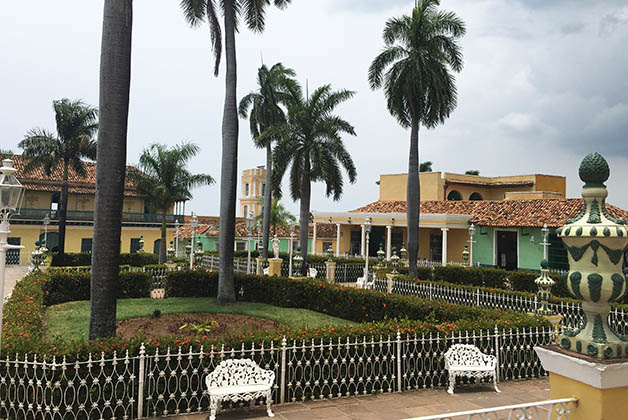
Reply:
x=362, y=239
x=337, y=239
x=314, y=239
x=444, y=230
x=388, y=242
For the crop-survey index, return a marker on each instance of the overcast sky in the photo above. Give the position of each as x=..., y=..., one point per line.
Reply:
x=544, y=83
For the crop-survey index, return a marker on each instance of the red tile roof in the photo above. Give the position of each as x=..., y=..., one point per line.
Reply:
x=37, y=180
x=502, y=213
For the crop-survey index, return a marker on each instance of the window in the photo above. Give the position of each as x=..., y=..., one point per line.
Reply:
x=86, y=245
x=326, y=246
x=246, y=189
x=246, y=211
x=454, y=196
x=156, y=246
x=240, y=246
x=263, y=188
x=475, y=196
x=135, y=245
x=295, y=245
x=54, y=201
x=436, y=247
x=13, y=255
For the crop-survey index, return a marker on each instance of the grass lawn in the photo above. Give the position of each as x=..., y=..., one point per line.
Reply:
x=70, y=320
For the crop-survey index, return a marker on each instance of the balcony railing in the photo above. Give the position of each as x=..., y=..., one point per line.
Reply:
x=88, y=216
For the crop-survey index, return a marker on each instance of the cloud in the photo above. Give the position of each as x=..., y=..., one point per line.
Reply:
x=572, y=28
x=370, y=5
x=520, y=123
x=613, y=21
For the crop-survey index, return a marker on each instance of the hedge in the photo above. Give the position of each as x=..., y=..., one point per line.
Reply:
x=67, y=287
x=135, y=259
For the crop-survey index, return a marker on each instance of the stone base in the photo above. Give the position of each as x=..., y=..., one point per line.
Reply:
x=274, y=267
x=258, y=267
x=601, y=387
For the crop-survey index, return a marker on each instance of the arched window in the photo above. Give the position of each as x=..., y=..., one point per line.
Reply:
x=454, y=196
x=476, y=196
x=156, y=246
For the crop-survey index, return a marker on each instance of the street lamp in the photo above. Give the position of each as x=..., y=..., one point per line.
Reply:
x=11, y=193
x=367, y=231
x=292, y=226
x=176, y=238
x=250, y=222
x=471, y=242
x=193, y=225
x=545, y=243
x=46, y=223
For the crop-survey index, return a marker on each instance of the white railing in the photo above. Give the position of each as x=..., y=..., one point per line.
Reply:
x=550, y=409
x=171, y=381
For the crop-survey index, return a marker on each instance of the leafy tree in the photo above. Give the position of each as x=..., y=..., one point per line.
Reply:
x=414, y=69
x=162, y=180
x=254, y=14
x=274, y=86
x=425, y=166
x=310, y=143
x=279, y=216
x=115, y=82
x=472, y=172
x=5, y=154
x=76, y=123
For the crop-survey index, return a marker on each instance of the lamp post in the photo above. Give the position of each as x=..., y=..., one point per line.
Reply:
x=471, y=242
x=367, y=231
x=250, y=222
x=290, y=258
x=46, y=223
x=193, y=225
x=545, y=232
x=176, y=238
x=11, y=193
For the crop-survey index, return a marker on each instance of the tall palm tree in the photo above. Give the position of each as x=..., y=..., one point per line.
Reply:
x=274, y=85
x=254, y=13
x=310, y=142
x=414, y=68
x=76, y=123
x=115, y=82
x=279, y=216
x=162, y=180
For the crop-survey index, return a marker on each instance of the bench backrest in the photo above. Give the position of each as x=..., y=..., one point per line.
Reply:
x=236, y=372
x=467, y=355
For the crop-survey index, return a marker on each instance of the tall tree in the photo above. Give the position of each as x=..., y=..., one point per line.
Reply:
x=472, y=172
x=425, y=166
x=76, y=123
x=5, y=153
x=254, y=13
x=310, y=143
x=279, y=216
x=115, y=82
x=274, y=86
x=414, y=68
x=163, y=180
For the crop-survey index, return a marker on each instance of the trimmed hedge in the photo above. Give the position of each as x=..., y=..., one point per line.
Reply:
x=136, y=259
x=68, y=287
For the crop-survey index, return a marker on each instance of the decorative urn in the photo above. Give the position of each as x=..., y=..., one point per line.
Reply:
x=595, y=243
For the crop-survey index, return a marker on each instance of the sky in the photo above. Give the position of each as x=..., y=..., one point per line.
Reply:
x=544, y=83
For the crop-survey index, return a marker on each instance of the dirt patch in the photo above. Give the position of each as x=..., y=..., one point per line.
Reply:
x=169, y=325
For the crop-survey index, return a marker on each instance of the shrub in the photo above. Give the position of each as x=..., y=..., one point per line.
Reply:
x=71, y=259
x=135, y=259
x=68, y=287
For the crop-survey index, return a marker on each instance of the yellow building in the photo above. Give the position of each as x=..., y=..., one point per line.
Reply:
x=252, y=187
x=41, y=198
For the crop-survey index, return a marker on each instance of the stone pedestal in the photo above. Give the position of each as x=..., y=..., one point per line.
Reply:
x=274, y=267
x=331, y=271
x=258, y=268
x=601, y=387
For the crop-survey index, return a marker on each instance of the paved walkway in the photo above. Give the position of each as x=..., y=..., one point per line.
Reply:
x=13, y=274
x=399, y=405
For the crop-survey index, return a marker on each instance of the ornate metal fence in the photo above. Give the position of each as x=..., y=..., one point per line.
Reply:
x=169, y=382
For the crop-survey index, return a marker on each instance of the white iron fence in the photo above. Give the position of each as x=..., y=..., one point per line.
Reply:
x=169, y=382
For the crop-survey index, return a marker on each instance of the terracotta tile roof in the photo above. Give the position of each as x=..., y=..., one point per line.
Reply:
x=37, y=180
x=502, y=213
x=209, y=226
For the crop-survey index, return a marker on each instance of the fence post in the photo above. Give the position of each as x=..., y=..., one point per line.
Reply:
x=282, y=382
x=399, y=383
x=477, y=294
x=497, y=372
x=140, y=388
x=430, y=290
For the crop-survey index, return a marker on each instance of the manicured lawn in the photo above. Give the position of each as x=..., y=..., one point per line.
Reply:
x=71, y=320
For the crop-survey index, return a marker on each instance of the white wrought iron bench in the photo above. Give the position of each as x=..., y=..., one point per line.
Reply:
x=239, y=380
x=466, y=360
x=312, y=272
x=366, y=282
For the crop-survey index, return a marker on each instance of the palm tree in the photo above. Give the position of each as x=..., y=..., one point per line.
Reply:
x=162, y=180
x=414, y=70
x=275, y=85
x=310, y=142
x=279, y=216
x=76, y=123
x=254, y=13
x=115, y=82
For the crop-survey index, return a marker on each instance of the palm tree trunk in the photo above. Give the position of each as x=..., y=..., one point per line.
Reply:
x=304, y=215
x=63, y=213
x=267, y=202
x=412, y=200
x=228, y=172
x=115, y=80
x=162, y=243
